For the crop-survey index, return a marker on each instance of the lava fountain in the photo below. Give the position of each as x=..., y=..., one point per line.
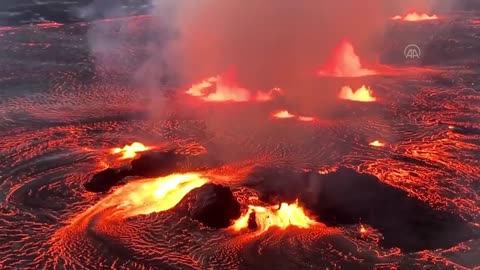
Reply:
x=363, y=94
x=345, y=63
x=224, y=87
x=415, y=17
x=130, y=151
x=265, y=217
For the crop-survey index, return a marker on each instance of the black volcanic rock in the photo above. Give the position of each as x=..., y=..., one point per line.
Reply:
x=348, y=197
x=213, y=205
x=150, y=164
x=252, y=221
x=16, y=12
x=106, y=179
x=153, y=164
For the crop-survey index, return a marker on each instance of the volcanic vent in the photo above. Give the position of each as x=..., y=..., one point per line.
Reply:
x=193, y=141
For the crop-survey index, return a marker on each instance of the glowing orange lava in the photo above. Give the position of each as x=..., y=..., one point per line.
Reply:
x=284, y=114
x=363, y=94
x=377, y=143
x=283, y=217
x=49, y=24
x=345, y=63
x=130, y=151
x=152, y=195
x=362, y=229
x=224, y=87
x=306, y=118
x=415, y=17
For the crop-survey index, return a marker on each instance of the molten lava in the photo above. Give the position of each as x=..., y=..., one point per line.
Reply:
x=283, y=217
x=284, y=114
x=130, y=151
x=377, y=143
x=345, y=63
x=153, y=195
x=363, y=94
x=306, y=118
x=225, y=88
x=49, y=24
x=362, y=229
x=415, y=17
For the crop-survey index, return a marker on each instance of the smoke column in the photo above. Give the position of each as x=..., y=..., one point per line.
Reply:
x=267, y=42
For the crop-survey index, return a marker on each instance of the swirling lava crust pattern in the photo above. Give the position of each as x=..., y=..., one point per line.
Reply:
x=60, y=118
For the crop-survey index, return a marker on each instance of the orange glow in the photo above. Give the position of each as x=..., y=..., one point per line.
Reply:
x=414, y=17
x=345, y=63
x=266, y=96
x=306, y=118
x=152, y=195
x=130, y=151
x=49, y=24
x=224, y=87
x=362, y=229
x=284, y=114
x=377, y=143
x=363, y=94
x=283, y=217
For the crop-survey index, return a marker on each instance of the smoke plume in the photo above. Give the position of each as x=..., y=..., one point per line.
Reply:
x=267, y=43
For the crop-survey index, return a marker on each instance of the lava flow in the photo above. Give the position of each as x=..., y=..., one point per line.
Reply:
x=143, y=197
x=345, y=63
x=130, y=151
x=224, y=87
x=415, y=17
x=363, y=94
x=49, y=24
x=265, y=217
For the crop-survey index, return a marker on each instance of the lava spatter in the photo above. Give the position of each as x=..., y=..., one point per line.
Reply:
x=55, y=115
x=362, y=94
x=282, y=216
x=345, y=63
